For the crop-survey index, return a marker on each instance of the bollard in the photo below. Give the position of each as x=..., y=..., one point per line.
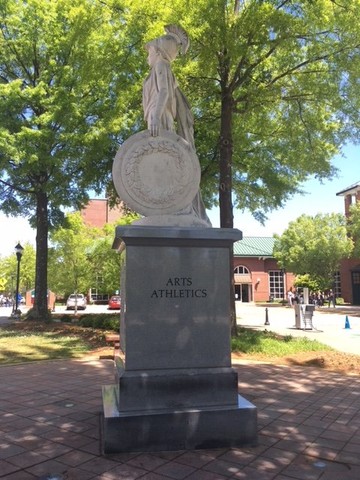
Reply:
x=347, y=323
x=266, y=317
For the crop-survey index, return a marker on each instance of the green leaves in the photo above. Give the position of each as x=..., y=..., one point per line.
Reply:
x=314, y=246
x=81, y=257
x=60, y=119
x=287, y=71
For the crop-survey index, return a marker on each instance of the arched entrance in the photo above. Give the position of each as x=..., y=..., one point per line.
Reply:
x=243, y=284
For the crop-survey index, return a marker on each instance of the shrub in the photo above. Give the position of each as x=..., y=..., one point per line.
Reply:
x=102, y=321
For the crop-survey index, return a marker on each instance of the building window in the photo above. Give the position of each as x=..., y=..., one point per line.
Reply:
x=276, y=284
x=337, y=285
x=241, y=270
x=356, y=278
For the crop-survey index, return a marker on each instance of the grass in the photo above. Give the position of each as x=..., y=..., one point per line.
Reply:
x=28, y=341
x=271, y=344
x=28, y=347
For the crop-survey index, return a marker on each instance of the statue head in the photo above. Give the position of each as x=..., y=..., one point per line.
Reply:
x=169, y=45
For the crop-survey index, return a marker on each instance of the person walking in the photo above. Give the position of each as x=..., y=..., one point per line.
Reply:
x=331, y=299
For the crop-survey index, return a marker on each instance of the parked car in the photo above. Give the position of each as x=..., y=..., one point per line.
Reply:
x=114, y=303
x=76, y=299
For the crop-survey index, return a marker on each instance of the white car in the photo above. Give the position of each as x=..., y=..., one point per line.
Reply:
x=76, y=300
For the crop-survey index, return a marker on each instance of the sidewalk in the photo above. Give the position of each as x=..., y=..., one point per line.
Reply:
x=308, y=423
x=328, y=323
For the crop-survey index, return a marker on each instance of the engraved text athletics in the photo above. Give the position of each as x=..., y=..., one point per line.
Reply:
x=170, y=290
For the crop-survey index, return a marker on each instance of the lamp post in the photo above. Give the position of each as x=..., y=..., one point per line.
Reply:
x=18, y=250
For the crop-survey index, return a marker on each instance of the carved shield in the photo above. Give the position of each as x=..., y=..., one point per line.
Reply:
x=156, y=175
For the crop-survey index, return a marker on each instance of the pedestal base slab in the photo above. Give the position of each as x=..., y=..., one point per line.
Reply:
x=186, y=429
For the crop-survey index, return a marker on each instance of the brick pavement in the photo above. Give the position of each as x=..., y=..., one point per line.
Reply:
x=309, y=427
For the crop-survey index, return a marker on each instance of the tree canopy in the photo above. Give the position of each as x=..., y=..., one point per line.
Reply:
x=273, y=85
x=314, y=246
x=282, y=85
x=81, y=257
x=61, y=74
x=69, y=265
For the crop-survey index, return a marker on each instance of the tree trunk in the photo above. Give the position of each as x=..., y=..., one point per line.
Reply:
x=226, y=152
x=40, y=301
x=225, y=190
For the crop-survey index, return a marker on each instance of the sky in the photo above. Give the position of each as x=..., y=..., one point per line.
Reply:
x=320, y=198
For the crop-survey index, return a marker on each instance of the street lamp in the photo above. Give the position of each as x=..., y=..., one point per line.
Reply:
x=18, y=250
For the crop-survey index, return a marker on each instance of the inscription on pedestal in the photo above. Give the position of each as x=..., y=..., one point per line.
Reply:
x=179, y=288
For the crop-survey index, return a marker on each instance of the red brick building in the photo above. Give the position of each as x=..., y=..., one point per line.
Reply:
x=98, y=213
x=350, y=268
x=257, y=276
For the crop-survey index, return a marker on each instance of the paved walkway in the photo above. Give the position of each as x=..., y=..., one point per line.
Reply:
x=308, y=425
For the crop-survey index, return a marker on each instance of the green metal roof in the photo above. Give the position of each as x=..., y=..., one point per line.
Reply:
x=254, y=247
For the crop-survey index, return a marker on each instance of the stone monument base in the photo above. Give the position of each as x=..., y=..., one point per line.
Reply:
x=188, y=429
x=175, y=388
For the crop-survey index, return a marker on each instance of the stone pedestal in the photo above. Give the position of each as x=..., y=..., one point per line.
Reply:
x=176, y=389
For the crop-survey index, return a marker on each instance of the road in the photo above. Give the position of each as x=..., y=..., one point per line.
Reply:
x=329, y=324
x=5, y=312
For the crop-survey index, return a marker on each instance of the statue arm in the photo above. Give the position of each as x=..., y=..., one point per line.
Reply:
x=161, y=70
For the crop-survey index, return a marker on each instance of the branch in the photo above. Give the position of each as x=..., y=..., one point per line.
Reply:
x=283, y=4
x=111, y=7
x=212, y=79
x=16, y=188
x=308, y=62
x=15, y=52
x=308, y=134
x=345, y=6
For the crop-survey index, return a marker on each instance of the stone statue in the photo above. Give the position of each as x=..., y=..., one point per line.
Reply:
x=156, y=171
x=163, y=101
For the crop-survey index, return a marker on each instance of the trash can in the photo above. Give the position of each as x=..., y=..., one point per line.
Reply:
x=308, y=312
x=303, y=316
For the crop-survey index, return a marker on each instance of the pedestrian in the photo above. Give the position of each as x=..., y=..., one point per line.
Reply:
x=331, y=299
x=290, y=297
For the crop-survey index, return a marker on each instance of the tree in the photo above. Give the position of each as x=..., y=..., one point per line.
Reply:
x=81, y=256
x=314, y=245
x=106, y=262
x=306, y=281
x=69, y=266
x=27, y=271
x=283, y=85
x=60, y=108
x=273, y=85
